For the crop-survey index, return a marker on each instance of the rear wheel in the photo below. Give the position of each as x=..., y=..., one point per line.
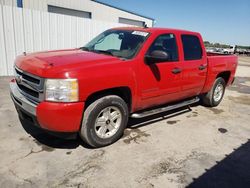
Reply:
x=215, y=95
x=104, y=121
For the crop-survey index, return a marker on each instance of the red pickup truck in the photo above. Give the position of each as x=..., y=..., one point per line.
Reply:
x=122, y=73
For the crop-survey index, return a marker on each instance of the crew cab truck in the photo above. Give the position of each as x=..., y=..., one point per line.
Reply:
x=123, y=72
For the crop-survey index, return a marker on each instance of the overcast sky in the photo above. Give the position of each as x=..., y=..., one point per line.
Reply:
x=223, y=21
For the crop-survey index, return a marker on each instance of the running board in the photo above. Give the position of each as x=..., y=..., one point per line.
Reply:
x=164, y=109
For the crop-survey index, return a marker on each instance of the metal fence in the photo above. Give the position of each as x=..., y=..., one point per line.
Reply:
x=24, y=30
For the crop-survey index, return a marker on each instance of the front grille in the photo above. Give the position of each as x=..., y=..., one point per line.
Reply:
x=31, y=86
x=27, y=77
x=29, y=91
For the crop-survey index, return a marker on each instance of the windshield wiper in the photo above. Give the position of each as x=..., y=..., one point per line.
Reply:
x=97, y=51
x=85, y=48
x=103, y=52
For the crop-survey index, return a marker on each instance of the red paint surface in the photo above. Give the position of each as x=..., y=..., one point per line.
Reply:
x=149, y=85
x=60, y=117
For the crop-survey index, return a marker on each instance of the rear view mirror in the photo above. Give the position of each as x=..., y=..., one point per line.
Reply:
x=156, y=56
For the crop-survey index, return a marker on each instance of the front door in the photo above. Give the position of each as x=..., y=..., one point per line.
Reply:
x=160, y=82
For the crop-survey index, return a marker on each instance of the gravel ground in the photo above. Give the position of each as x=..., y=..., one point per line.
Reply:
x=197, y=147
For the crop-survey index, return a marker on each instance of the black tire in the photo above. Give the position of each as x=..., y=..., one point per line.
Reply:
x=88, y=130
x=208, y=98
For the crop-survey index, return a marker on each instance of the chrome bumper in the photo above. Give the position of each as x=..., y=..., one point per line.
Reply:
x=20, y=100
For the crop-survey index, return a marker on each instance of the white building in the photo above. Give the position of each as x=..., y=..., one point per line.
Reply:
x=92, y=9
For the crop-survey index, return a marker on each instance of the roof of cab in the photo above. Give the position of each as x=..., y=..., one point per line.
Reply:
x=155, y=29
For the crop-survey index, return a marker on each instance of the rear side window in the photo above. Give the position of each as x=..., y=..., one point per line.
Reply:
x=192, y=47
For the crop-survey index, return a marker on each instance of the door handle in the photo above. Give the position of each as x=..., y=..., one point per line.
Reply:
x=202, y=67
x=176, y=71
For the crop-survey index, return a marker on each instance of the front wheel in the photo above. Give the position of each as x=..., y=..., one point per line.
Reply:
x=104, y=121
x=215, y=95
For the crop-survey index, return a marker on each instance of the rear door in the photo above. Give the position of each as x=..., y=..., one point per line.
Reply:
x=194, y=65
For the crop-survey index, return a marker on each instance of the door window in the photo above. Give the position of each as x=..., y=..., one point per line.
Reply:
x=191, y=47
x=166, y=43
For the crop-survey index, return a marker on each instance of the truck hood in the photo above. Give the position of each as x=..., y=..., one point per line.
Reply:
x=59, y=62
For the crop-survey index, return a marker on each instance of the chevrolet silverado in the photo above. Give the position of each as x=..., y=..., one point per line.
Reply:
x=123, y=72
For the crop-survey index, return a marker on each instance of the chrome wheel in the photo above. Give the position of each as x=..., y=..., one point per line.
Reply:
x=218, y=92
x=108, y=122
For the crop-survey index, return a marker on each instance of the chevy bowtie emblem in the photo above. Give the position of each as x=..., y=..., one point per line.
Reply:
x=19, y=79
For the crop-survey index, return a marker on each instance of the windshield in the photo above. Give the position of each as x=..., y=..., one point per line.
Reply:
x=119, y=43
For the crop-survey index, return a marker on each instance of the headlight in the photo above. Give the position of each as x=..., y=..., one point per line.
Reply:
x=61, y=90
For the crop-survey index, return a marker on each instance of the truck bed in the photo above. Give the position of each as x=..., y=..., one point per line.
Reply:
x=209, y=54
x=218, y=63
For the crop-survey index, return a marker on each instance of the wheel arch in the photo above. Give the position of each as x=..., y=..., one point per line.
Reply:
x=225, y=75
x=124, y=92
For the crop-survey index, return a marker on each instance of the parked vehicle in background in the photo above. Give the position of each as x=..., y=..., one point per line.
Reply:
x=122, y=73
x=219, y=50
x=210, y=49
x=230, y=50
x=241, y=51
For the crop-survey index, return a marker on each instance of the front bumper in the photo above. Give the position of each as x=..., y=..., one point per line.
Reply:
x=51, y=116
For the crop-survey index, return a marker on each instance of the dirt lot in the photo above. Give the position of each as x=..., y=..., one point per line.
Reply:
x=201, y=147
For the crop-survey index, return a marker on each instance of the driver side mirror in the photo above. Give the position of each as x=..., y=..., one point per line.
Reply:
x=157, y=56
